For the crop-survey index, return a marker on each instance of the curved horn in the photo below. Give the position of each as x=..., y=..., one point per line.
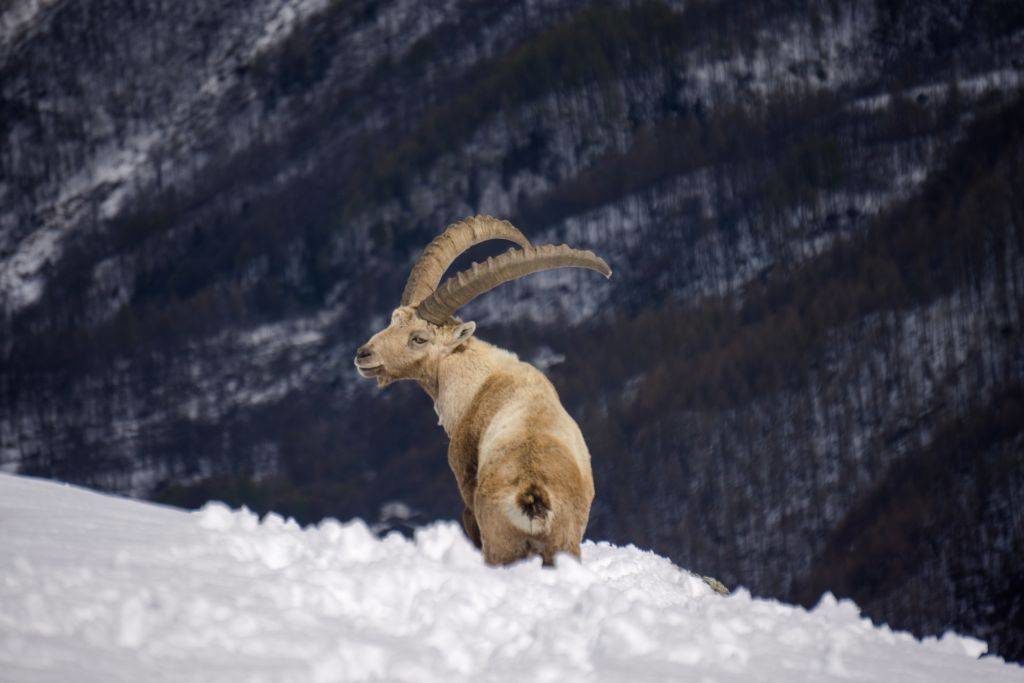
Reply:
x=447, y=246
x=459, y=290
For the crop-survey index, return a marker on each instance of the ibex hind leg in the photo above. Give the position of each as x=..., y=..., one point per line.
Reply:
x=546, y=551
x=502, y=542
x=505, y=552
x=471, y=527
x=508, y=551
x=550, y=546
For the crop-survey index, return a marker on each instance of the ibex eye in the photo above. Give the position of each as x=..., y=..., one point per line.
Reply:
x=419, y=340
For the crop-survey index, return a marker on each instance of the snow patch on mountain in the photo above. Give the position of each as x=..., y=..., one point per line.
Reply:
x=21, y=274
x=16, y=16
x=283, y=20
x=102, y=588
x=974, y=87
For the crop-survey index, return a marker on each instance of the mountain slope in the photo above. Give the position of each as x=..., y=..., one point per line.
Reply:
x=101, y=588
x=812, y=210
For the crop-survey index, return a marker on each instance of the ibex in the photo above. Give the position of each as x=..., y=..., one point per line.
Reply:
x=519, y=459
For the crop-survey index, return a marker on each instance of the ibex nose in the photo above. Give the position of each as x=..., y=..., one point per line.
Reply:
x=363, y=352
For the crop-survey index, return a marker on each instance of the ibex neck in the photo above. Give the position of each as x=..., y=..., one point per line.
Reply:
x=460, y=377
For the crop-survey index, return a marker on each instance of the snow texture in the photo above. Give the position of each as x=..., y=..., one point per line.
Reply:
x=98, y=588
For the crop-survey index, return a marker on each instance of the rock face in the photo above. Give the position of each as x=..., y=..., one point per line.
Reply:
x=805, y=375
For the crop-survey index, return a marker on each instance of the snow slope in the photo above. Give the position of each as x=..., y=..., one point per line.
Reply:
x=98, y=588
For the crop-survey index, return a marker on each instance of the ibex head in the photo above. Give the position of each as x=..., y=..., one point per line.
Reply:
x=423, y=329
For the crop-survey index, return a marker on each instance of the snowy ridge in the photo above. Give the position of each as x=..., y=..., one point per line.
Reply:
x=101, y=588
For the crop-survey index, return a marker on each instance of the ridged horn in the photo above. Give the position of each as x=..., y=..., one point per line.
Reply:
x=459, y=290
x=446, y=247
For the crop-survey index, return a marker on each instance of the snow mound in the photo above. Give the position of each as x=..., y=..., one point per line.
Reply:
x=98, y=588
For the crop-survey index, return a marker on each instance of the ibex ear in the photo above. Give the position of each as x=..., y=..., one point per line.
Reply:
x=462, y=333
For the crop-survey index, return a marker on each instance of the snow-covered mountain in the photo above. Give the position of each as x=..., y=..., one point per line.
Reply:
x=806, y=375
x=100, y=588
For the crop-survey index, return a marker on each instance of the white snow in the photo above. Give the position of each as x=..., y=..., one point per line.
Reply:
x=976, y=86
x=284, y=20
x=98, y=588
x=16, y=16
x=21, y=274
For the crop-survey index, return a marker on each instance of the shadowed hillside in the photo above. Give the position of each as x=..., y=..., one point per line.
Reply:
x=805, y=374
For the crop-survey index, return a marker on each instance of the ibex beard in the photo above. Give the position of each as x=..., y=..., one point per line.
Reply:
x=519, y=459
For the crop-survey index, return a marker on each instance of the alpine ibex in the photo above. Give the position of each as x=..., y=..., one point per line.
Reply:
x=520, y=461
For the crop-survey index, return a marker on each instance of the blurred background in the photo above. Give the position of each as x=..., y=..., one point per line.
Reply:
x=805, y=375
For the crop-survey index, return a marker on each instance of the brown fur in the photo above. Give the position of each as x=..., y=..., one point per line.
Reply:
x=533, y=463
x=519, y=459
